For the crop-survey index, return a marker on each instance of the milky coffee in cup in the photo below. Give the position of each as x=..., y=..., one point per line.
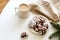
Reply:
x=22, y=10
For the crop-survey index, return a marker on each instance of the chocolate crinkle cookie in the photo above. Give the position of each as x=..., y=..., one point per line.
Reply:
x=23, y=34
x=38, y=25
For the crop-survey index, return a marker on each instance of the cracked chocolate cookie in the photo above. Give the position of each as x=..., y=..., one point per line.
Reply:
x=38, y=25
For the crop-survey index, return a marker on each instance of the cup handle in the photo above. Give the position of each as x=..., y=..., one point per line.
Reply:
x=16, y=9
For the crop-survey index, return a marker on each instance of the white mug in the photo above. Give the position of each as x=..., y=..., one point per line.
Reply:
x=22, y=10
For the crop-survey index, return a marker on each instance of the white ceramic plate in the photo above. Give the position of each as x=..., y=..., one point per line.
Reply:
x=46, y=22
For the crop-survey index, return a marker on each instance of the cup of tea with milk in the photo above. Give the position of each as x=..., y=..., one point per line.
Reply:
x=22, y=10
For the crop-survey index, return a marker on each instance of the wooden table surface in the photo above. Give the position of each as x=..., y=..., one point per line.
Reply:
x=2, y=4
